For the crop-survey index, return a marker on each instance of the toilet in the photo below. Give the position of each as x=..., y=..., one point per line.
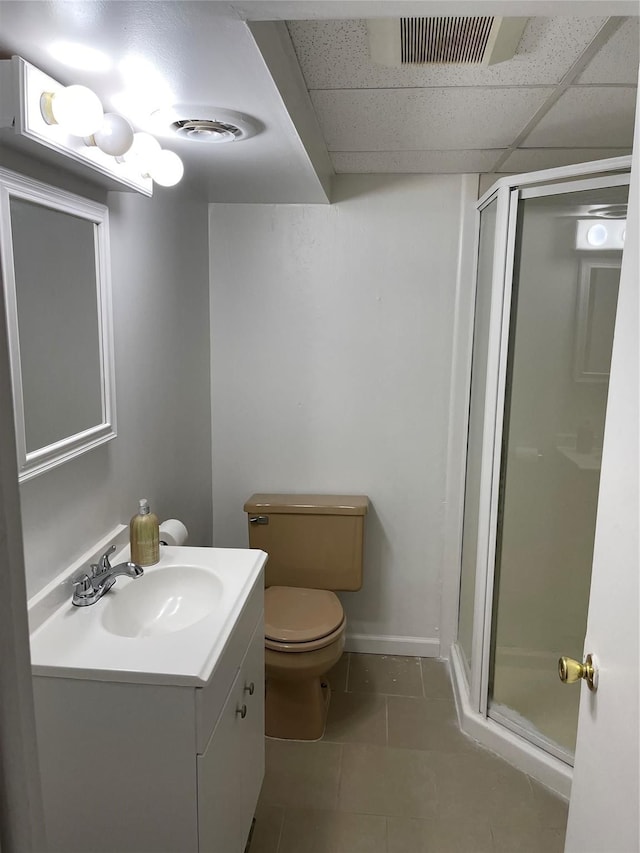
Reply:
x=315, y=545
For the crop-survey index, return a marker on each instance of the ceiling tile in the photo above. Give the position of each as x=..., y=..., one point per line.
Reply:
x=587, y=116
x=414, y=162
x=617, y=61
x=419, y=119
x=335, y=55
x=532, y=159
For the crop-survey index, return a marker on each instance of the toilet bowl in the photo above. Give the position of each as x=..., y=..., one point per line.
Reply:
x=304, y=639
x=314, y=544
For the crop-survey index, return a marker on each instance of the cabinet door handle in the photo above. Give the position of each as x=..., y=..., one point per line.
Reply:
x=242, y=710
x=249, y=688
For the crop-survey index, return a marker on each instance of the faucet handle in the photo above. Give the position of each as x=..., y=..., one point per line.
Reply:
x=82, y=590
x=82, y=583
x=103, y=565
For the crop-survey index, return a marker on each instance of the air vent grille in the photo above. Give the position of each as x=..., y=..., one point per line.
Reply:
x=402, y=42
x=206, y=130
x=444, y=40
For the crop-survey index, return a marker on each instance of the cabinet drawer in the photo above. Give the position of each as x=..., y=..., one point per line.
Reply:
x=210, y=699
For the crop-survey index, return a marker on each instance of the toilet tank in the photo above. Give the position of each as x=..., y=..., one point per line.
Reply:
x=313, y=541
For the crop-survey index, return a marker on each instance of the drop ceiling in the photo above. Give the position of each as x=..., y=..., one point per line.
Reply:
x=568, y=94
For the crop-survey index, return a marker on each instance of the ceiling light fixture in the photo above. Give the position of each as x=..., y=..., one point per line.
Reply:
x=75, y=108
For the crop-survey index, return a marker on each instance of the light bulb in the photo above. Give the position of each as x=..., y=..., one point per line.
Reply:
x=166, y=169
x=142, y=152
x=115, y=135
x=597, y=235
x=75, y=108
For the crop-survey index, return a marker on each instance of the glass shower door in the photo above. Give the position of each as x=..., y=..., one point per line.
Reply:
x=564, y=294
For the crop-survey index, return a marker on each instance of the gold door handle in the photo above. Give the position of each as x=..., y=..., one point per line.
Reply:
x=571, y=670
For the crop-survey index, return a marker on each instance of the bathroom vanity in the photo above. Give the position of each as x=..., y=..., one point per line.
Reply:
x=154, y=742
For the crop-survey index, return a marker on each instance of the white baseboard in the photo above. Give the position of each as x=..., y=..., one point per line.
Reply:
x=386, y=644
x=517, y=751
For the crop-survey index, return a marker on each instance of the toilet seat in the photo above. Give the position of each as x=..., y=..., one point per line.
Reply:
x=300, y=620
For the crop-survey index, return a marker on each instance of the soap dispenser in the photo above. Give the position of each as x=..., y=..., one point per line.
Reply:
x=144, y=536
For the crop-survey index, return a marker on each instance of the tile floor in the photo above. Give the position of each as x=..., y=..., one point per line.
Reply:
x=393, y=774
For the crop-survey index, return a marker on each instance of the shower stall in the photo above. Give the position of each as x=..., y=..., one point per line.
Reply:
x=547, y=272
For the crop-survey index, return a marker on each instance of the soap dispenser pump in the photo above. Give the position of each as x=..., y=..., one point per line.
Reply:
x=144, y=536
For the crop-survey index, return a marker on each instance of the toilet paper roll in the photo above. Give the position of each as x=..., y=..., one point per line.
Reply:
x=173, y=532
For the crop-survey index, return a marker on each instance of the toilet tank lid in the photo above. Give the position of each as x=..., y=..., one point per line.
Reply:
x=309, y=504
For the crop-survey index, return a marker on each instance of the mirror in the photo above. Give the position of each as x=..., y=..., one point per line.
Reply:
x=55, y=266
x=596, y=318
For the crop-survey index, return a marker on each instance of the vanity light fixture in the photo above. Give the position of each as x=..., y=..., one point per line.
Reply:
x=34, y=118
x=75, y=108
x=70, y=121
x=596, y=235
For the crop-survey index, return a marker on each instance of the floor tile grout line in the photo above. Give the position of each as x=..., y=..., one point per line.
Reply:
x=346, y=683
x=422, y=678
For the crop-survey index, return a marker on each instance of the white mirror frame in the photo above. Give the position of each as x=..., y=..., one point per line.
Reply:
x=13, y=185
x=587, y=266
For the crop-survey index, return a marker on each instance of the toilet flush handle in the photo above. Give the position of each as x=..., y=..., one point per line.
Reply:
x=258, y=519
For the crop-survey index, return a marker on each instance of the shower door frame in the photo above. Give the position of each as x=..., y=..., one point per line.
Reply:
x=472, y=687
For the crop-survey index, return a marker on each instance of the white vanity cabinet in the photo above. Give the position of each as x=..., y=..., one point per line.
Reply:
x=156, y=767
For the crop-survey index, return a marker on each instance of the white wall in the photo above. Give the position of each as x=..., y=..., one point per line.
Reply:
x=161, y=330
x=332, y=338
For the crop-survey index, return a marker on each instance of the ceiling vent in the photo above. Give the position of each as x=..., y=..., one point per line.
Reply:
x=429, y=41
x=206, y=130
x=213, y=124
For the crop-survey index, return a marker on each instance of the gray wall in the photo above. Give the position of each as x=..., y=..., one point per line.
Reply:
x=332, y=347
x=161, y=331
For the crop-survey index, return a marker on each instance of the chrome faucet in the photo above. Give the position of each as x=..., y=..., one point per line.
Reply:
x=88, y=588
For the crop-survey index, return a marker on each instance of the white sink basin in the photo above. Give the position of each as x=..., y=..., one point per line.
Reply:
x=162, y=602
x=168, y=626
